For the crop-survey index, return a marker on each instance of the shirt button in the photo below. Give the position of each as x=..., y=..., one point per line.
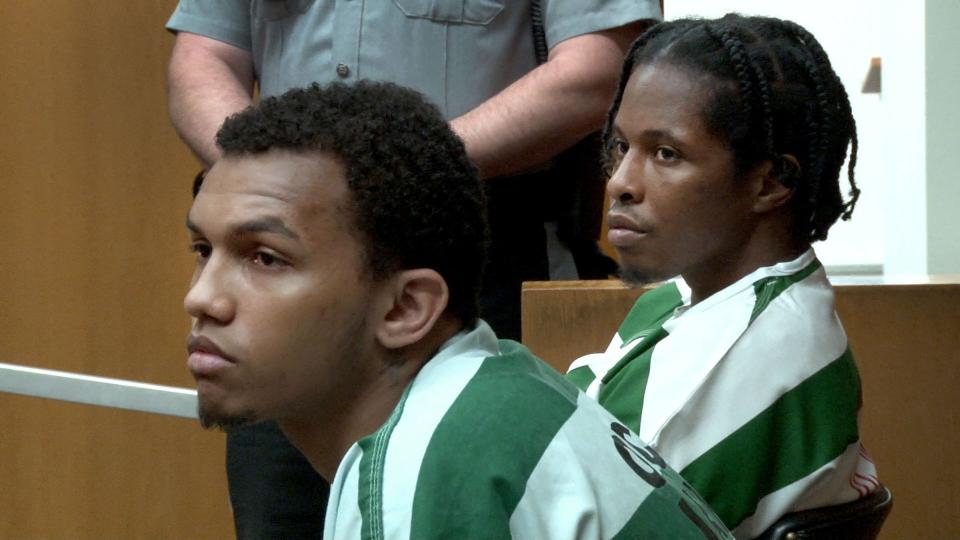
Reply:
x=343, y=70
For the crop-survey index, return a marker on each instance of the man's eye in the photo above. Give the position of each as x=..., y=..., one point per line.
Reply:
x=202, y=250
x=616, y=150
x=620, y=148
x=264, y=258
x=667, y=154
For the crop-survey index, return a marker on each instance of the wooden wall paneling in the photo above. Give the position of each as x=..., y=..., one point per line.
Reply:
x=95, y=189
x=906, y=340
x=95, y=186
x=564, y=320
x=89, y=473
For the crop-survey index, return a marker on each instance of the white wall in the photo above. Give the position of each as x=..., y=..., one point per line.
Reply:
x=905, y=141
x=889, y=227
x=943, y=135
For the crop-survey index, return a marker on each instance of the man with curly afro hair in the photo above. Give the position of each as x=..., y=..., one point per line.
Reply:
x=339, y=246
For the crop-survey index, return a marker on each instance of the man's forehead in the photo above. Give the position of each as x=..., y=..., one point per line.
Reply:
x=277, y=173
x=267, y=189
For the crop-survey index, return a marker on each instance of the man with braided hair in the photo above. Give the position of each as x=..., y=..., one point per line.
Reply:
x=725, y=141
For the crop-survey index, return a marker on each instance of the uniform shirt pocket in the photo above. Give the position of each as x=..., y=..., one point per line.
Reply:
x=275, y=10
x=480, y=12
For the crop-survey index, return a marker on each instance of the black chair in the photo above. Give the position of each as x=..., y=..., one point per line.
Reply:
x=857, y=520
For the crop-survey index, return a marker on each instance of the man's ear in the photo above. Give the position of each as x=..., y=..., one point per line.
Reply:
x=419, y=297
x=775, y=182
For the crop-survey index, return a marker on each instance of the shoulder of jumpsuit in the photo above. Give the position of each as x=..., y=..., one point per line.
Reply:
x=700, y=338
x=650, y=308
x=701, y=335
x=730, y=308
x=712, y=325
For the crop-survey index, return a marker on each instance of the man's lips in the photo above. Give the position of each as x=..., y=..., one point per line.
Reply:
x=206, y=358
x=622, y=231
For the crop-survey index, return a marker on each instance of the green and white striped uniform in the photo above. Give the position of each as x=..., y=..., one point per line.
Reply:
x=489, y=442
x=752, y=394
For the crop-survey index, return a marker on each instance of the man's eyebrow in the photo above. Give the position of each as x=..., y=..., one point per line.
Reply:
x=650, y=135
x=665, y=135
x=270, y=225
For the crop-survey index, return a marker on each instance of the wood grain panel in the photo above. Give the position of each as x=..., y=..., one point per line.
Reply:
x=906, y=339
x=94, y=191
x=564, y=320
x=79, y=472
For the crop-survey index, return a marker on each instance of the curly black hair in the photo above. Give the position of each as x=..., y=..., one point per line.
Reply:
x=775, y=94
x=415, y=197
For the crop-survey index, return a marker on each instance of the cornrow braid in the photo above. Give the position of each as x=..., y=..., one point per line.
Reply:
x=776, y=95
x=854, y=192
x=765, y=108
x=741, y=64
x=820, y=126
x=749, y=75
x=845, y=112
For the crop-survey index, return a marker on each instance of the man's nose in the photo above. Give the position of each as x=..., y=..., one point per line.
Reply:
x=209, y=297
x=626, y=182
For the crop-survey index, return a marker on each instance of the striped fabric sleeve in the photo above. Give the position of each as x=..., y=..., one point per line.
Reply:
x=581, y=375
x=768, y=431
x=817, y=489
x=650, y=310
x=469, y=485
x=597, y=480
x=503, y=446
x=647, y=313
x=800, y=432
x=437, y=387
x=574, y=473
x=752, y=394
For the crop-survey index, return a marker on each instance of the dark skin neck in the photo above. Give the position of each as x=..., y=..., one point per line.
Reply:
x=769, y=242
x=325, y=438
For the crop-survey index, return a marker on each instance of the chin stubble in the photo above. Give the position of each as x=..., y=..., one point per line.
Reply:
x=636, y=277
x=223, y=421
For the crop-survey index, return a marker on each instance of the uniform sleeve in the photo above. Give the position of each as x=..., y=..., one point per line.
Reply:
x=223, y=20
x=773, y=428
x=564, y=19
x=597, y=480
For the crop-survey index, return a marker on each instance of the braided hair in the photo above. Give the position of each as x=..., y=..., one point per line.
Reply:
x=775, y=94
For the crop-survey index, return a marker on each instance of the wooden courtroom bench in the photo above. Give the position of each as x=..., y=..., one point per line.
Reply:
x=905, y=337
